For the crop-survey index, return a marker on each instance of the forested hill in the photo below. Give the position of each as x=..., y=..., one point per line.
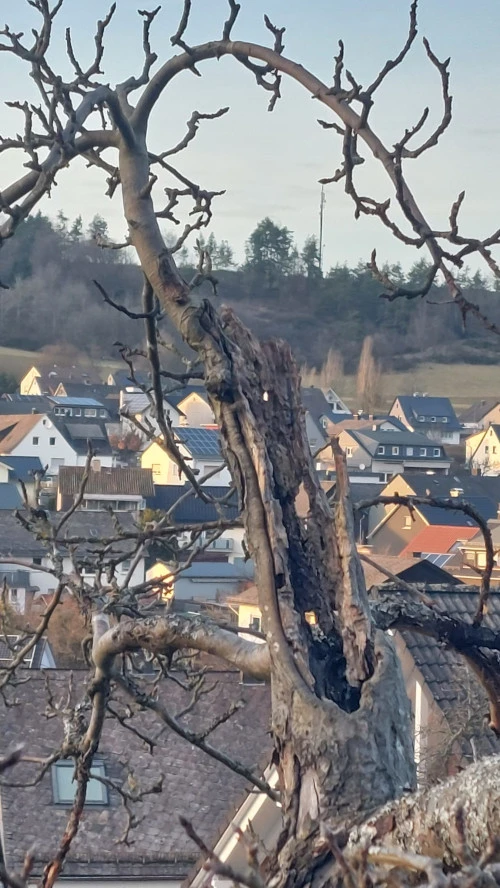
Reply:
x=279, y=290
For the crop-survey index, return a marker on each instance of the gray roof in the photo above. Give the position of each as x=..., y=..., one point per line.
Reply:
x=192, y=509
x=445, y=672
x=23, y=468
x=78, y=434
x=428, y=407
x=178, y=394
x=18, y=404
x=219, y=570
x=17, y=542
x=315, y=403
x=477, y=411
x=62, y=401
x=10, y=498
x=200, y=442
x=370, y=440
x=195, y=785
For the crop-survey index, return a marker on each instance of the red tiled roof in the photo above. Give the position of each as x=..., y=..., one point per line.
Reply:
x=438, y=539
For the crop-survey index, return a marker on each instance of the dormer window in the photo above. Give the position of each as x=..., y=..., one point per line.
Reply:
x=395, y=451
x=380, y=449
x=421, y=418
x=433, y=419
x=445, y=419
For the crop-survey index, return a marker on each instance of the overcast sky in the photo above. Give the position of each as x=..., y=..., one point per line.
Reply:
x=270, y=163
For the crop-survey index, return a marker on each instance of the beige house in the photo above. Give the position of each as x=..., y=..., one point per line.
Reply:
x=481, y=414
x=482, y=451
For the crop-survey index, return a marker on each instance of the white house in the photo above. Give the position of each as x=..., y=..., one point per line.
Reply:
x=55, y=442
x=434, y=417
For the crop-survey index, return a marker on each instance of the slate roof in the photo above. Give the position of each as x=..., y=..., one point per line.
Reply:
x=129, y=481
x=77, y=434
x=445, y=672
x=14, y=428
x=477, y=411
x=122, y=378
x=23, y=468
x=138, y=402
x=195, y=785
x=16, y=404
x=481, y=492
x=17, y=542
x=200, y=442
x=415, y=406
x=315, y=403
x=438, y=540
x=192, y=509
x=10, y=498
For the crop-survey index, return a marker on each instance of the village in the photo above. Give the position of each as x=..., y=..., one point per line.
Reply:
x=75, y=445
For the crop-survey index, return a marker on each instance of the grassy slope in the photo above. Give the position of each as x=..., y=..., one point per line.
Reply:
x=17, y=362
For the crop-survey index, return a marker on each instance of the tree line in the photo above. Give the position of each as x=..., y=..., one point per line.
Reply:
x=279, y=289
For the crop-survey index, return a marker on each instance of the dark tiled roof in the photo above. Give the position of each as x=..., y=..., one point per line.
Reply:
x=445, y=672
x=23, y=467
x=200, y=442
x=195, y=785
x=192, y=508
x=10, y=498
x=138, y=482
x=476, y=411
x=18, y=542
x=178, y=395
x=316, y=404
x=413, y=407
x=19, y=404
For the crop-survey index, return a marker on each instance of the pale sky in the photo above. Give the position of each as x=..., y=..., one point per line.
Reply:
x=270, y=164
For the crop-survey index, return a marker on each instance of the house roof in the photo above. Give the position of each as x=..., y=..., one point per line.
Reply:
x=200, y=442
x=394, y=564
x=10, y=498
x=438, y=539
x=18, y=542
x=98, y=389
x=23, y=468
x=122, y=378
x=130, y=481
x=194, y=785
x=316, y=404
x=16, y=404
x=62, y=401
x=137, y=402
x=478, y=410
x=365, y=423
x=414, y=406
x=78, y=434
x=192, y=509
x=444, y=671
x=13, y=430
x=219, y=570
x=481, y=492
x=178, y=394
x=9, y=645
x=247, y=596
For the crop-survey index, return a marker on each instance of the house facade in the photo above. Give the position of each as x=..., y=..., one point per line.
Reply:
x=481, y=415
x=200, y=449
x=434, y=417
x=121, y=489
x=482, y=451
x=390, y=451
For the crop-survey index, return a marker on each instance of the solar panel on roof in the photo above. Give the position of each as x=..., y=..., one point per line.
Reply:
x=201, y=442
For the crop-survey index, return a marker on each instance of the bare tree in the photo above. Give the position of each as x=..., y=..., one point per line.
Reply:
x=340, y=714
x=368, y=377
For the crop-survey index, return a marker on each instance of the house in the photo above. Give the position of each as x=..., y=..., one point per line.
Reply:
x=22, y=550
x=107, y=395
x=159, y=852
x=389, y=452
x=337, y=405
x=199, y=447
x=481, y=415
x=187, y=508
x=202, y=581
x=439, y=544
x=81, y=408
x=392, y=528
x=121, y=379
x=192, y=403
x=44, y=378
x=434, y=417
x=55, y=442
x=40, y=656
x=320, y=417
x=137, y=405
x=121, y=489
x=482, y=451
x=470, y=559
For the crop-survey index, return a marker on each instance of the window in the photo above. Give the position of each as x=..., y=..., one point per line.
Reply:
x=433, y=419
x=494, y=449
x=52, y=441
x=125, y=565
x=445, y=419
x=436, y=451
x=90, y=411
x=408, y=522
x=64, y=787
x=156, y=469
x=254, y=623
x=324, y=421
x=349, y=451
x=37, y=560
x=78, y=411
x=423, y=451
x=409, y=451
x=481, y=559
x=35, y=440
x=380, y=449
x=103, y=413
x=421, y=418
x=470, y=555
x=486, y=449
x=395, y=451
x=13, y=595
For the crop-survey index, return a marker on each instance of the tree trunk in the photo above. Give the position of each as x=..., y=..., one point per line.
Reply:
x=340, y=714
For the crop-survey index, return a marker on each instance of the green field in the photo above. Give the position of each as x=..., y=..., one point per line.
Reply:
x=462, y=383
x=17, y=361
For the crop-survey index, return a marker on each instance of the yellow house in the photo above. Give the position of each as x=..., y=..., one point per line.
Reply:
x=482, y=451
x=196, y=409
x=200, y=449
